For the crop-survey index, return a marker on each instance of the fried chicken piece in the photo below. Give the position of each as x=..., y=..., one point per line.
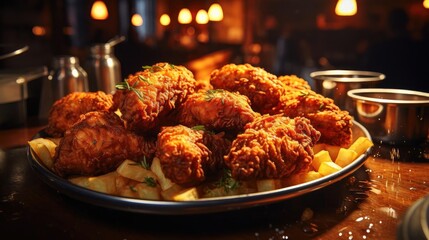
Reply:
x=148, y=98
x=187, y=155
x=334, y=124
x=67, y=110
x=294, y=81
x=97, y=144
x=262, y=88
x=217, y=110
x=272, y=146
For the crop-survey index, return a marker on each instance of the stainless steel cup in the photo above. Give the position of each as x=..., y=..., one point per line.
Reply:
x=335, y=84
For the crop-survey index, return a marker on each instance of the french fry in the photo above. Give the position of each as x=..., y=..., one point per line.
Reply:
x=44, y=149
x=318, y=147
x=327, y=168
x=135, y=171
x=268, y=184
x=125, y=187
x=186, y=195
x=302, y=178
x=345, y=157
x=104, y=183
x=170, y=192
x=164, y=182
x=360, y=145
x=333, y=150
x=147, y=191
x=322, y=156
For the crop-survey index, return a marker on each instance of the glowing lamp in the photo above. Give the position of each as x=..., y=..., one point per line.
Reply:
x=136, y=20
x=426, y=4
x=164, y=19
x=185, y=16
x=202, y=17
x=346, y=8
x=99, y=11
x=215, y=12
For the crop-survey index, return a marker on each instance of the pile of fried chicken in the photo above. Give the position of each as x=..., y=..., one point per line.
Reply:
x=246, y=120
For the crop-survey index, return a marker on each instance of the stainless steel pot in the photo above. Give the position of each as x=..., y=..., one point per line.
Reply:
x=14, y=93
x=393, y=116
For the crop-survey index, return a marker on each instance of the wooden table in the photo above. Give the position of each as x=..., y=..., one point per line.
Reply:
x=367, y=205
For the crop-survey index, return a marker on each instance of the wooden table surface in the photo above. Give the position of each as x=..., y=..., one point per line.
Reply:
x=369, y=204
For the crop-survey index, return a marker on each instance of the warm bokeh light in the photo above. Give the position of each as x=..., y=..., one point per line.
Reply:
x=136, y=20
x=202, y=17
x=215, y=12
x=426, y=4
x=346, y=8
x=39, y=31
x=185, y=16
x=164, y=19
x=99, y=11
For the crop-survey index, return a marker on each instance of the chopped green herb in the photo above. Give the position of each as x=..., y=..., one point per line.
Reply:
x=227, y=182
x=199, y=128
x=210, y=94
x=143, y=163
x=126, y=86
x=143, y=79
x=303, y=93
x=150, y=181
x=171, y=65
x=132, y=188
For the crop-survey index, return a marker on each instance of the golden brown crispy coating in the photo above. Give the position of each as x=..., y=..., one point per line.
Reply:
x=262, y=88
x=97, y=144
x=273, y=146
x=294, y=81
x=217, y=110
x=187, y=155
x=148, y=98
x=67, y=110
x=334, y=124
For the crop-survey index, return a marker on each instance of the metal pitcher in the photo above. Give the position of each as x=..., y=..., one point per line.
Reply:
x=102, y=66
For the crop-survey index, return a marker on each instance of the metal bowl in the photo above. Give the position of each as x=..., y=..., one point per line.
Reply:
x=335, y=84
x=392, y=116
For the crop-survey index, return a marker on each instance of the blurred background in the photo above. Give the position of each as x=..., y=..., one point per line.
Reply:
x=282, y=36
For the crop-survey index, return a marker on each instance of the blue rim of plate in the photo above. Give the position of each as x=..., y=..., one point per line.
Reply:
x=201, y=206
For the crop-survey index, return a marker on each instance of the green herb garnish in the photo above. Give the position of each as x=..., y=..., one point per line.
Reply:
x=150, y=181
x=143, y=79
x=126, y=86
x=227, y=182
x=303, y=93
x=143, y=163
x=211, y=93
x=199, y=128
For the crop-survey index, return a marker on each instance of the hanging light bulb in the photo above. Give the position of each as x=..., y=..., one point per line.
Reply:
x=346, y=8
x=136, y=20
x=215, y=12
x=185, y=16
x=426, y=4
x=164, y=19
x=202, y=17
x=99, y=11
